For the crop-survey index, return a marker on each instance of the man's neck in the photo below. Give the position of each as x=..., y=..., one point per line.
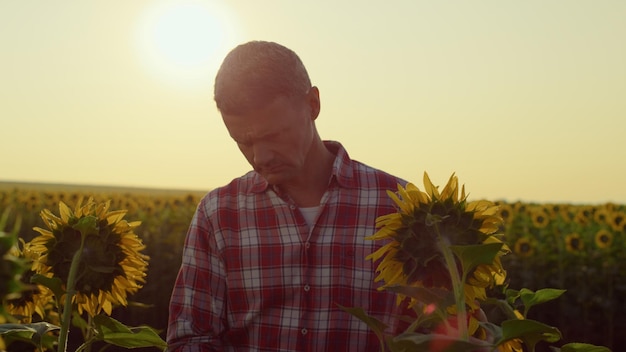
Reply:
x=308, y=189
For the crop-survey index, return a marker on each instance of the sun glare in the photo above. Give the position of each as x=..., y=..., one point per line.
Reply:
x=183, y=42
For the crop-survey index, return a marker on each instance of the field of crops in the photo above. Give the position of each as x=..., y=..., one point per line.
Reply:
x=581, y=248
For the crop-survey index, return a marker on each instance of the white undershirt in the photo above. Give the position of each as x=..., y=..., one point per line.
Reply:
x=310, y=213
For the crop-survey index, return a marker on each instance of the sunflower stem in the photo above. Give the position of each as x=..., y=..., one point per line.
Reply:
x=67, y=307
x=457, y=287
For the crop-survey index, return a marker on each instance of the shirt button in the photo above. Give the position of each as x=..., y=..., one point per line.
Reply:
x=307, y=288
x=292, y=207
x=304, y=331
x=307, y=245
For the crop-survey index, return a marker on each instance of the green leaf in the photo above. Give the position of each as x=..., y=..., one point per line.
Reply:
x=17, y=332
x=9, y=328
x=435, y=342
x=53, y=283
x=473, y=255
x=78, y=321
x=6, y=242
x=32, y=333
x=437, y=296
x=583, y=347
x=530, y=331
x=4, y=219
x=530, y=298
x=494, y=331
x=42, y=327
x=512, y=295
x=37, y=328
x=432, y=219
x=376, y=325
x=87, y=225
x=116, y=333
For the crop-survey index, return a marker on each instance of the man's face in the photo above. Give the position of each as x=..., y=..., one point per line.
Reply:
x=276, y=138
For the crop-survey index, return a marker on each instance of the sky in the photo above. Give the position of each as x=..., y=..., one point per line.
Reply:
x=522, y=100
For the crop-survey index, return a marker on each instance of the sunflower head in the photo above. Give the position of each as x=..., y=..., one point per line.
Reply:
x=540, y=217
x=32, y=298
x=506, y=212
x=603, y=238
x=111, y=265
x=412, y=257
x=618, y=220
x=574, y=243
x=523, y=247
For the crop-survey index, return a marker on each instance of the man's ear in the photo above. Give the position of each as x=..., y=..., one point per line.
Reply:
x=313, y=99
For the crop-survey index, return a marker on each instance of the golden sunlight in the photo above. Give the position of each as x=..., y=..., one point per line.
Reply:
x=182, y=42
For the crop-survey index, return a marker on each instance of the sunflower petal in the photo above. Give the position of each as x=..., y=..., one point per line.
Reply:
x=430, y=188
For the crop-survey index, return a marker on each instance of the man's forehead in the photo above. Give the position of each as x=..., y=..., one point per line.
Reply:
x=251, y=126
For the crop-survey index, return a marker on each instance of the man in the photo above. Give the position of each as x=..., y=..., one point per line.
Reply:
x=270, y=258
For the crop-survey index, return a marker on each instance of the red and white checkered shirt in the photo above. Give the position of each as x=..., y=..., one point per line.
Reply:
x=255, y=277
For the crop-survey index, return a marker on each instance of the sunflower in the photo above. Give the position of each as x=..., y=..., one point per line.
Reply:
x=519, y=207
x=32, y=298
x=553, y=209
x=566, y=212
x=617, y=220
x=413, y=258
x=111, y=265
x=523, y=247
x=513, y=345
x=506, y=212
x=573, y=242
x=603, y=238
x=540, y=217
x=602, y=215
x=584, y=215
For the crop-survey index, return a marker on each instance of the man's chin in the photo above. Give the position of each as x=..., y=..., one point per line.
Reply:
x=274, y=178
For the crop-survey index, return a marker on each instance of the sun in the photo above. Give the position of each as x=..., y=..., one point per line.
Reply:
x=184, y=41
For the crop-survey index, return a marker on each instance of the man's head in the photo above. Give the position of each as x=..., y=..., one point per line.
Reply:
x=256, y=73
x=267, y=103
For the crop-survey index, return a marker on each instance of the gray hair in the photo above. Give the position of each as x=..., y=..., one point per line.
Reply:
x=255, y=73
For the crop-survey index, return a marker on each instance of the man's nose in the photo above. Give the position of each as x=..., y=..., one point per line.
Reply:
x=262, y=154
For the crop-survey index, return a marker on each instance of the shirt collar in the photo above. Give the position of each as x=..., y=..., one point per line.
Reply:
x=342, y=172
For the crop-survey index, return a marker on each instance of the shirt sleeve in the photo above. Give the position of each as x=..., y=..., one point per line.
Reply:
x=197, y=306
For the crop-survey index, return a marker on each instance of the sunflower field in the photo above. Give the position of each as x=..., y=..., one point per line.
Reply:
x=580, y=248
x=164, y=216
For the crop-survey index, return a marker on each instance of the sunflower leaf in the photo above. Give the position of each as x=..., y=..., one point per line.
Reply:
x=530, y=298
x=530, y=331
x=17, y=332
x=43, y=327
x=33, y=333
x=113, y=332
x=78, y=321
x=583, y=347
x=376, y=325
x=473, y=255
x=4, y=219
x=87, y=225
x=16, y=328
x=512, y=295
x=438, y=296
x=428, y=342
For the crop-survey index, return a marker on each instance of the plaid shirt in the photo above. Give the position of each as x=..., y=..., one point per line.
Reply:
x=254, y=276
